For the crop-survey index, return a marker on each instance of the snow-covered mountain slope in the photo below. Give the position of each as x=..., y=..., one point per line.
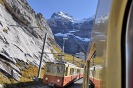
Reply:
x=78, y=31
x=62, y=16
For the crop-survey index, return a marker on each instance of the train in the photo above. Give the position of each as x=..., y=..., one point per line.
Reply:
x=110, y=60
x=61, y=74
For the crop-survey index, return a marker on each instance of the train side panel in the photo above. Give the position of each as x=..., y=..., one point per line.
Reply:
x=73, y=73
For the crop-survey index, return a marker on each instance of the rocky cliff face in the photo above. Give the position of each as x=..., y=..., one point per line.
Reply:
x=21, y=37
x=77, y=31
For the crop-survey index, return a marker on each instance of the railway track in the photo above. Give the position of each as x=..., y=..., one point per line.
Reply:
x=76, y=84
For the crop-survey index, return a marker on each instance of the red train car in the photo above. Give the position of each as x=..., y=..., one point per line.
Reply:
x=61, y=74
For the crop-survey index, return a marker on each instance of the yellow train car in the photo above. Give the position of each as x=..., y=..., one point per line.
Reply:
x=61, y=74
x=110, y=60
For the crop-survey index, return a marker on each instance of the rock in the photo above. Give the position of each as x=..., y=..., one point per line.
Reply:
x=21, y=37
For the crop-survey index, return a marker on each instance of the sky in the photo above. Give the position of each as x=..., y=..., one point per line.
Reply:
x=79, y=9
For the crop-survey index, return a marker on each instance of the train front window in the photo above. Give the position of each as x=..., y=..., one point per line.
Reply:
x=54, y=69
x=48, y=68
x=51, y=68
x=59, y=69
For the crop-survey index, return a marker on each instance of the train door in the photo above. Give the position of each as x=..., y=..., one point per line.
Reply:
x=66, y=71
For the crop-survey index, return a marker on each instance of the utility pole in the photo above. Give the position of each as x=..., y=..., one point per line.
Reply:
x=73, y=59
x=39, y=70
x=85, y=56
x=64, y=38
x=63, y=46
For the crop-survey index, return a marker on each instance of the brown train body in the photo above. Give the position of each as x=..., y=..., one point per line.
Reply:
x=61, y=74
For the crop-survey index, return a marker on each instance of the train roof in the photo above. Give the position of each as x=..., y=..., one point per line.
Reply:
x=63, y=63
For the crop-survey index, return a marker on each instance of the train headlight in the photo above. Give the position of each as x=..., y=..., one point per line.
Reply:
x=46, y=78
x=58, y=80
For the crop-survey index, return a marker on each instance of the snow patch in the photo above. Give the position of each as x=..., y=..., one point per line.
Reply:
x=83, y=39
x=61, y=15
x=73, y=31
x=85, y=19
x=62, y=35
x=67, y=34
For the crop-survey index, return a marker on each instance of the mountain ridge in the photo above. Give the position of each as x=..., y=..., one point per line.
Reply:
x=80, y=30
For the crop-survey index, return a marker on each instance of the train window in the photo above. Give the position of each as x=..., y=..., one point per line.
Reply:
x=78, y=71
x=75, y=71
x=48, y=68
x=60, y=69
x=71, y=71
x=81, y=70
x=51, y=68
x=66, y=71
x=54, y=69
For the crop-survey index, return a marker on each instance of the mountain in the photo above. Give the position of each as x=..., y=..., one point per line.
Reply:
x=62, y=16
x=77, y=31
x=22, y=34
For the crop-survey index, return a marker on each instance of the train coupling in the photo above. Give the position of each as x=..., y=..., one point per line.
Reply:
x=51, y=85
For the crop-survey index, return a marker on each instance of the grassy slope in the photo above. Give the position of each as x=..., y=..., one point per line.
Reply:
x=68, y=57
x=29, y=73
x=4, y=79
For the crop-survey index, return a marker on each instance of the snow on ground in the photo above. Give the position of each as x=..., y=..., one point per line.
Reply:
x=73, y=31
x=83, y=39
x=67, y=34
x=65, y=16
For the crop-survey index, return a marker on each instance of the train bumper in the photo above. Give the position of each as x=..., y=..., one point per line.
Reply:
x=53, y=80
